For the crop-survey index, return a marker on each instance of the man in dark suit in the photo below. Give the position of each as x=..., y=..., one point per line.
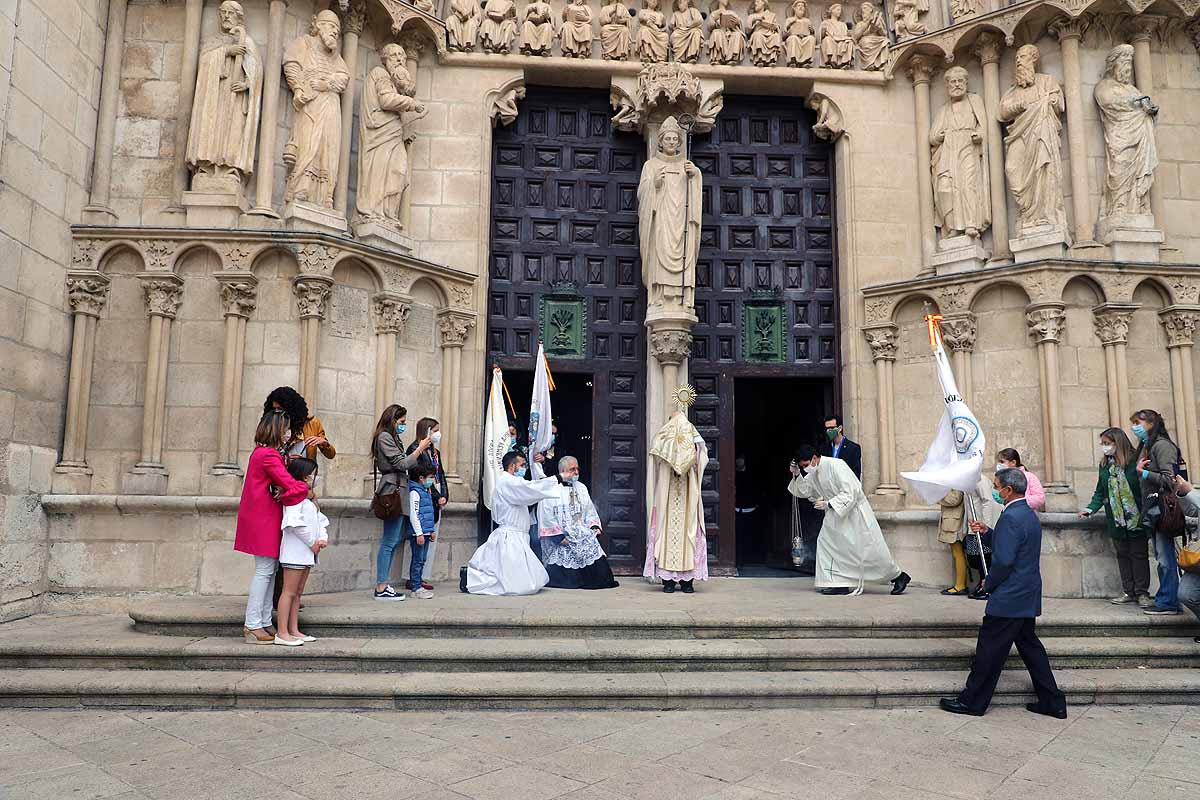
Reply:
x=841, y=447
x=1015, y=586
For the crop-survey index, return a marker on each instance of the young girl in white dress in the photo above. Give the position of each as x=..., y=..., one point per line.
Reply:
x=305, y=533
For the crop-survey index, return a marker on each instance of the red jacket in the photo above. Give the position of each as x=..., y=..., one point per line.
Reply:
x=260, y=516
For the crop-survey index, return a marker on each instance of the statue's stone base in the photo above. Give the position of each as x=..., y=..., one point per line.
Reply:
x=215, y=209
x=1130, y=237
x=300, y=216
x=370, y=231
x=145, y=478
x=71, y=477
x=959, y=254
x=1038, y=242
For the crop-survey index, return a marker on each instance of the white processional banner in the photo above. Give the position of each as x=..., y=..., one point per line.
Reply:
x=956, y=456
x=540, y=413
x=495, y=436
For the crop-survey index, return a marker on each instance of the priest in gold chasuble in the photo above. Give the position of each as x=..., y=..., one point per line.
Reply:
x=676, y=550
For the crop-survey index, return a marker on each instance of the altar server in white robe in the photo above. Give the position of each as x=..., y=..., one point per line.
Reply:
x=504, y=564
x=850, y=550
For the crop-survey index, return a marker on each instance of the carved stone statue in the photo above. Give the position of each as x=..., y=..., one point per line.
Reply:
x=837, y=46
x=652, y=33
x=317, y=76
x=870, y=37
x=959, y=164
x=1033, y=161
x=499, y=26
x=383, y=137
x=576, y=33
x=963, y=9
x=462, y=26
x=1129, y=146
x=801, y=43
x=907, y=14
x=765, y=42
x=224, y=127
x=669, y=208
x=537, y=33
x=615, y=37
x=726, y=39
x=687, y=32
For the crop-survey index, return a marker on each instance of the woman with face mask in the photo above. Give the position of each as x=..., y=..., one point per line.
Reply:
x=1035, y=495
x=429, y=428
x=392, y=465
x=1119, y=493
x=1158, y=462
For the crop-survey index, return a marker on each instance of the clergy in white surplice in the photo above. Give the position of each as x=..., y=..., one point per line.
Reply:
x=850, y=551
x=568, y=526
x=504, y=564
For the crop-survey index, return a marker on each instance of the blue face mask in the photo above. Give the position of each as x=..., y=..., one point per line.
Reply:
x=520, y=473
x=428, y=482
x=996, y=496
x=401, y=428
x=571, y=479
x=1139, y=431
x=553, y=436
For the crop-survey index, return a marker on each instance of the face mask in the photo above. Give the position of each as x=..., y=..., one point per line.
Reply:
x=553, y=436
x=831, y=433
x=996, y=496
x=401, y=427
x=436, y=438
x=428, y=482
x=1001, y=467
x=1108, y=449
x=520, y=473
x=1139, y=431
x=571, y=479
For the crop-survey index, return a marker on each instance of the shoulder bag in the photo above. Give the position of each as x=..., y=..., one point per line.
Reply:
x=387, y=507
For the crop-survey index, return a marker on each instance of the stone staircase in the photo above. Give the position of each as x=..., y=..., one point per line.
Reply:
x=735, y=644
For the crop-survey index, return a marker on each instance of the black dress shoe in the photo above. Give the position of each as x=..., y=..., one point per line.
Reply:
x=953, y=705
x=686, y=587
x=835, y=590
x=462, y=579
x=1038, y=709
x=901, y=583
x=669, y=587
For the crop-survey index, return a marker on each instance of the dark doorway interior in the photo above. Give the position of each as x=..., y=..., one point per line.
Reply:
x=572, y=403
x=773, y=417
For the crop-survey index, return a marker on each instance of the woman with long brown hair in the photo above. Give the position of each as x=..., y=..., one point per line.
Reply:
x=393, y=466
x=1158, y=464
x=1119, y=493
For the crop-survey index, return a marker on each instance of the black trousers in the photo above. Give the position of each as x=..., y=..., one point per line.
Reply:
x=997, y=635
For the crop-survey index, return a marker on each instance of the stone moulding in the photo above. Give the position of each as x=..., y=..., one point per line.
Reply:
x=196, y=504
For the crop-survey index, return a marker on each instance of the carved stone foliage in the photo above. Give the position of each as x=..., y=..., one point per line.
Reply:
x=83, y=254
x=163, y=295
x=239, y=296
x=879, y=309
x=666, y=89
x=312, y=295
x=87, y=292
x=959, y=332
x=1046, y=322
x=1112, y=327
x=316, y=258
x=454, y=327
x=157, y=253
x=462, y=296
x=883, y=342
x=391, y=313
x=236, y=255
x=670, y=346
x=1180, y=325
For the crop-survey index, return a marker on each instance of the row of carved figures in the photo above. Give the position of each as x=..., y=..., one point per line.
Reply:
x=496, y=26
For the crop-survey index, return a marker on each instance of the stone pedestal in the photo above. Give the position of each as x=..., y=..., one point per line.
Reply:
x=1060, y=498
x=71, y=478
x=381, y=234
x=959, y=254
x=145, y=479
x=300, y=216
x=1038, y=242
x=224, y=480
x=1130, y=237
x=214, y=206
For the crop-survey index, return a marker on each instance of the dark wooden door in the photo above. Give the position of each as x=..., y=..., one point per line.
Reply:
x=564, y=266
x=766, y=293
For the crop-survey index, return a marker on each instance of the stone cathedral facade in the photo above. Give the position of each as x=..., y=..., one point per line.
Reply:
x=375, y=200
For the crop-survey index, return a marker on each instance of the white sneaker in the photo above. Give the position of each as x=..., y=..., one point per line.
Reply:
x=423, y=594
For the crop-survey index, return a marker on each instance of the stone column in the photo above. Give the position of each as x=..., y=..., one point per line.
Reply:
x=269, y=123
x=920, y=70
x=1111, y=321
x=454, y=327
x=391, y=315
x=312, y=294
x=670, y=346
x=959, y=332
x=87, y=292
x=883, y=342
x=1141, y=29
x=988, y=47
x=1180, y=325
x=1069, y=31
x=352, y=25
x=97, y=210
x=1046, y=322
x=239, y=292
x=164, y=291
x=188, y=69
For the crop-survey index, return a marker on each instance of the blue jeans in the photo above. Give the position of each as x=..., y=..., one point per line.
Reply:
x=1168, y=571
x=1189, y=593
x=416, y=565
x=393, y=532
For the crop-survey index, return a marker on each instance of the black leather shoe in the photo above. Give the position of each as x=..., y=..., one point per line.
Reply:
x=686, y=587
x=952, y=705
x=901, y=583
x=462, y=579
x=1037, y=709
x=669, y=587
x=835, y=590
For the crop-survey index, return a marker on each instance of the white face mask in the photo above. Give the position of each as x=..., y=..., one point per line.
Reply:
x=1001, y=466
x=1108, y=449
x=436, y=438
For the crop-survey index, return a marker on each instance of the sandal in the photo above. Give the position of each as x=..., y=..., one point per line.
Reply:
x=257, y=637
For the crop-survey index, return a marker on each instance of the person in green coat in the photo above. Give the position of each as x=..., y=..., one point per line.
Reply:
x=1118, y=491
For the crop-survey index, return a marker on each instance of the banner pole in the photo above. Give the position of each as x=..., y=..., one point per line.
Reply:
x=973, y=516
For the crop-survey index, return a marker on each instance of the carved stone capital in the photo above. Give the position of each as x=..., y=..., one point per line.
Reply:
x=391, y=313
x=1143, y=27
x=920, y=69
x=1045, y=321
x=1193, y=32
x=353, y=17
x=454, y=327
x=883, y=342
x=239, y=294
x=163, y=294
x=87, y=291
x=989, y=47
x=1112, y=323
x=664, y=89
x=671, y=346
x=312, y=293
x=1180, y=325
x=414, y=43
x=1070, y=27
x=959, y=332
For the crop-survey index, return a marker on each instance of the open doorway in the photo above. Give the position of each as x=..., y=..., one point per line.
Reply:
x=772, y=418
x=572, y=404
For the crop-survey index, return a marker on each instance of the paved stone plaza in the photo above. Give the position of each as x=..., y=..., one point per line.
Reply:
x=1104, y=753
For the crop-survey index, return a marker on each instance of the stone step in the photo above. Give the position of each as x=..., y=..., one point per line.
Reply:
x=170, y=689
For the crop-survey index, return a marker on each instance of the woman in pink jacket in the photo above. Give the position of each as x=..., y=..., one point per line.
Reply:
x=1035, y=495
x=267, y=489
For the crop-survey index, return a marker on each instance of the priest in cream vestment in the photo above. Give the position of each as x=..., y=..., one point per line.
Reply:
x=850, y=550
x=676, y=550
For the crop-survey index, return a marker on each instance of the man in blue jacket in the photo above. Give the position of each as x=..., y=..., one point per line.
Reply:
x=1015, y=586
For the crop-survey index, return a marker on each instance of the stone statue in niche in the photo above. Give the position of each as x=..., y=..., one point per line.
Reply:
x=958, y=137
x=615, y=37
x=801, y=43
x=317, y=76
x=1032, y=108
x=499, y=26
x=963, y=9
x=687, y=32
x=576, y=35
x=765, y=42
x=537, y=32
x=652, y=33
x=837, y=46
x=385, y=119
x=870, y=37
x=1131, y=154
x=224, y=127
x=462, y=26
x=669, y=206
x=907, y=15
x=726, y=39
